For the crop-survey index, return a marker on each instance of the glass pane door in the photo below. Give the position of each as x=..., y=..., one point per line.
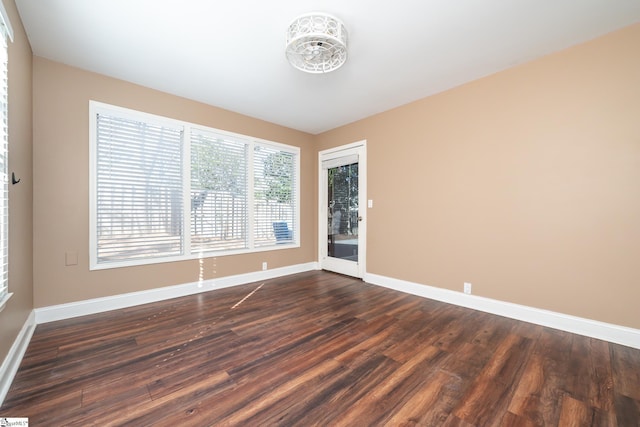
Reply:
x=342, y=225
x=342, y=212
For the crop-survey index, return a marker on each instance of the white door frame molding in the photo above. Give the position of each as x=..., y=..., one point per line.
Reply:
x=359, y=148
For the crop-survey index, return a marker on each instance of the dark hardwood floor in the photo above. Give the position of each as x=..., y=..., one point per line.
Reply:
x=319, y=349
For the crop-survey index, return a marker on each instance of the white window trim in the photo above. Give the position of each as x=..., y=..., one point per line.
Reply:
x=4, y=299
x=96, y=107
x=5, y=20
x=5, y=294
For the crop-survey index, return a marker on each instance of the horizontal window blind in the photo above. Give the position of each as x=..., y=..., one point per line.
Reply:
x=274, y=195
x=218, y=192
x=4, y=171
x=166, y=190
x=138, y=190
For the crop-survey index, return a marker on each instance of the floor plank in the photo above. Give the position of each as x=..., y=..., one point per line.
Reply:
x=318, y=348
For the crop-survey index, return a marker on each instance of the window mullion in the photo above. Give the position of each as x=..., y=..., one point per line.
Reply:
x=250, y=197
x=186, y=190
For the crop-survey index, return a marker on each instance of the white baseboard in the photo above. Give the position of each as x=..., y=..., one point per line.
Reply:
x=11, y=363
x=591, y=328
x=613, y=333
x=99, y=305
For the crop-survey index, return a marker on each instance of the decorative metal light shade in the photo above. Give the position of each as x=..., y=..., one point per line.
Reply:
x=316, y=43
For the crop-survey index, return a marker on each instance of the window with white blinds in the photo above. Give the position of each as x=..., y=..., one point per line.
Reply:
x=6, y=34
x=218, y=192
x=165, y=190
x=139, y=189
x=274, y=186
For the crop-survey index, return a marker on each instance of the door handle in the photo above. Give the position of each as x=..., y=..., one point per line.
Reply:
x=359, y=218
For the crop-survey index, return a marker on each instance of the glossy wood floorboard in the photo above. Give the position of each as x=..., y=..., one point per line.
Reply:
x=319, y=349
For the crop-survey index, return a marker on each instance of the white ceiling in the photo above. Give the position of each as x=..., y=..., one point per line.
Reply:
x=231, y=53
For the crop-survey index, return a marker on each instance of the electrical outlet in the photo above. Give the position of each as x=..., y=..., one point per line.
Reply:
x=467, y=287
x=264, y=265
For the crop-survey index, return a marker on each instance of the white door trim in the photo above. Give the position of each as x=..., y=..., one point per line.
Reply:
x=360, y=148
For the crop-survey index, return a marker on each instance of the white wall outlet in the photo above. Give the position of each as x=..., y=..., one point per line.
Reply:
x=467, y=287
x=264, y=265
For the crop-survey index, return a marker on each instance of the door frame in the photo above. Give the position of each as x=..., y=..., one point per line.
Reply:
x=359, y=148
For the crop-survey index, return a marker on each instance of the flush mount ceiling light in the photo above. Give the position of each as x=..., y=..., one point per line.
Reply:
x=316, y=43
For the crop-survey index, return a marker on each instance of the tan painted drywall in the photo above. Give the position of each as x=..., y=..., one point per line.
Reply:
x=18, y=308
x=61, y=186
x=525, y=183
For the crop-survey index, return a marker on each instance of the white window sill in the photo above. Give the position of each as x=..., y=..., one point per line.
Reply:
x=4, y=300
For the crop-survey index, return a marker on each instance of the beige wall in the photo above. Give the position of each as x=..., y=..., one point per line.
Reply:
x=525, y=183
x=13, y=317
x=61, y=187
